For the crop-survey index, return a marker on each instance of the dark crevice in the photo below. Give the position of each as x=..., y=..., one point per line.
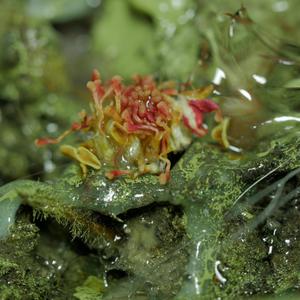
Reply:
x=135, y=212
x=175, y=157
x=116, y=274
x=83, y=24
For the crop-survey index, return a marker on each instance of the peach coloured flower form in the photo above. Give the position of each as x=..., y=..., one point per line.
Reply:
x=133, y=128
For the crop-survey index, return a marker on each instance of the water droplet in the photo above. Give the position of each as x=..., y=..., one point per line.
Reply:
x=49, y=166
x=288, y=242
x=280, y=6
x=259, y=79
x=219, y=276
x=52, y=127
x=219, y=75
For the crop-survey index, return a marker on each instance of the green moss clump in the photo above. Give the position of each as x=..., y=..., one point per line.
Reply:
x=263, y=259
x=22, y=276
x=245, y=266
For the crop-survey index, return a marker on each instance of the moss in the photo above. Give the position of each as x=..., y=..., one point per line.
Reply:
x=161, y=250
x=22, y=276
x=284, y=258
x=37, y=261
x=263, y=259
x=203, y=191
x=245, y=266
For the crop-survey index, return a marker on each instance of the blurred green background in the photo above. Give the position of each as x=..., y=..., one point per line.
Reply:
x=49, y=48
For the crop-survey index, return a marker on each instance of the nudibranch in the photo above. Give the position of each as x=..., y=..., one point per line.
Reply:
x=134, y=127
